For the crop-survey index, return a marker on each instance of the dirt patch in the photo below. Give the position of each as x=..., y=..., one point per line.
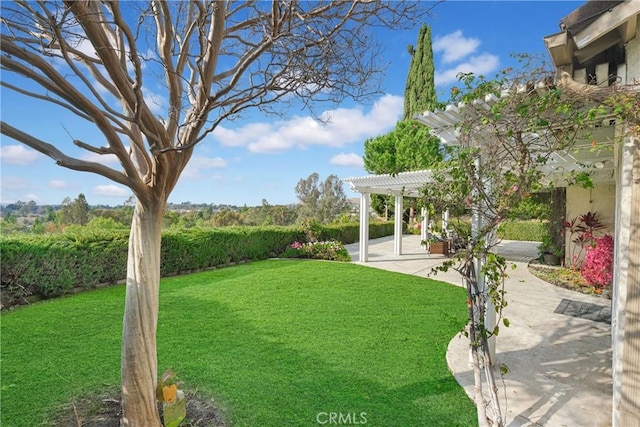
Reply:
x=106, y=410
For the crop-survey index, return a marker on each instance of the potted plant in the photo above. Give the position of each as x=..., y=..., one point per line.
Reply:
x=438, y=244
x=549, y=253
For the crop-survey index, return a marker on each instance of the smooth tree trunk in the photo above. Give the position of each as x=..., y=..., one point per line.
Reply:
x=481, y=404
x=480, y=355
x=139, y=359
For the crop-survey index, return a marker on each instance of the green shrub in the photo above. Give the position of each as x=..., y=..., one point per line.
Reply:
x=379, y=229
x=531, y=231
x=198, y=248
x=51, y=265
x=348, y=232
x=535, y=206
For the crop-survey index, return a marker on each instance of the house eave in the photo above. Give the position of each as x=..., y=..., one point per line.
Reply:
x=616, y=25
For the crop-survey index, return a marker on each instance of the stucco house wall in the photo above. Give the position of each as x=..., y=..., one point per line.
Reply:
x=600, y=199
x=633, y=57
x=595, y=35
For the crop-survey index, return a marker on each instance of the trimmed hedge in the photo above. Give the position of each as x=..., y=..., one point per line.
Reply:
x=350, y=233
x=531, y=230
x=52, y=265
x=198, y=248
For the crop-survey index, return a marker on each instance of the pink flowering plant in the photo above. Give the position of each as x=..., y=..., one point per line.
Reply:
x=583, y=232
x=597, y=269
x=330, y=250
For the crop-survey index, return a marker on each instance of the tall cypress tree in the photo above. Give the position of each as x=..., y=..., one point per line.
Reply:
x=409, y=146
x=420, y=91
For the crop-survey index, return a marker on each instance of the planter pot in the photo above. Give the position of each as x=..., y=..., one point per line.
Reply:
x=439, y=248
x=551, y=259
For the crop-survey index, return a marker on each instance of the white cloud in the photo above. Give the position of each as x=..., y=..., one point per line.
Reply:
x=58, y=184
x=455, y=46
x=105, y=159
x=86, y=47
x=111, y=190
x=351, y=160
x=18, y=155
x=478, y=65
x=338, y=127
x=157, y=103
x=33, y=197
x=241, y=136
x=199, y=163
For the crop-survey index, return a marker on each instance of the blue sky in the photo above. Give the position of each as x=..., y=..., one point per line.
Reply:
x=244, y=162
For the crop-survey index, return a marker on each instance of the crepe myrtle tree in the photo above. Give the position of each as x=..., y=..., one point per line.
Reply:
x=509, y=129
x=108, y=63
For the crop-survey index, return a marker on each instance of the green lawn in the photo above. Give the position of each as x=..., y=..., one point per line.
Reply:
x=275, y=342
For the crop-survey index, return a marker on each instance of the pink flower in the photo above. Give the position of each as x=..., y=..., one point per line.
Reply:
x=597, y=269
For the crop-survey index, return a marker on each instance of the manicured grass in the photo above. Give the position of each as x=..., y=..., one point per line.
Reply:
x=274, y=342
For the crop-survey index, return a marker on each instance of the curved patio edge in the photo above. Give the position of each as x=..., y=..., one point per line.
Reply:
x=557, y=348
x=559, y=359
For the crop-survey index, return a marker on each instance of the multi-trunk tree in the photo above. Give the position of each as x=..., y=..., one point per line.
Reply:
x=74, y=212
x=112, y=65
x=320, y=201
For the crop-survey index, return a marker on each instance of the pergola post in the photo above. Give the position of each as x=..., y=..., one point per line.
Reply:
x=365, y=201
x=397, y=226
x=477, y=223
x=445, y=221
x=625, y=332
x=424, y=228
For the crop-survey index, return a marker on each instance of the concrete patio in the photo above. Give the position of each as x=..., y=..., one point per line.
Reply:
x=558, y=347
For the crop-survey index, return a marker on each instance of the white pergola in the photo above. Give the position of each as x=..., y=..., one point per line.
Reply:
x=404, y=184
x=589, y=35
x=443, y=124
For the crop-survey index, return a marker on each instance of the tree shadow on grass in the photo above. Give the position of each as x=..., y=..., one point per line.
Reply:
x=241, y=364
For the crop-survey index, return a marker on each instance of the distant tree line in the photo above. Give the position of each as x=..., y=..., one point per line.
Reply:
x=321, y=201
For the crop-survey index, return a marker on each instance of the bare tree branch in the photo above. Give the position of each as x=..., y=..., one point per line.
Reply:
x=283, y=51
x=64, y=160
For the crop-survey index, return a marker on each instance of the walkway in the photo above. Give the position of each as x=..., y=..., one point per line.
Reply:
x=559, y=361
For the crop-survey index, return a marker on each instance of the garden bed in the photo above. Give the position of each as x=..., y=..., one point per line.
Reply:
x=567, y=278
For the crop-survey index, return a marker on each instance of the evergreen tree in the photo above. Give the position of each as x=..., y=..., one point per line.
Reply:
x=420, y=91
x=74, y=212
x=308, y=194
x=409, y=146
